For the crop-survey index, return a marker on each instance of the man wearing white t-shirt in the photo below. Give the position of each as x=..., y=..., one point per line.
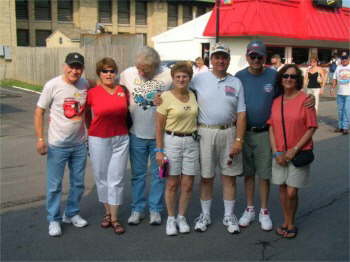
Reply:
x=144, y=81
x=65, y=97
x=341, y=79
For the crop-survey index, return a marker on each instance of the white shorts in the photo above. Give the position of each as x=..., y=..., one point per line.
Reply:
x=183, y=155
x=215, y=145
x=290, y=175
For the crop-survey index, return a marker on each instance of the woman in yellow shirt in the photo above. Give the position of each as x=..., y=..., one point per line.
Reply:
x=177, y=140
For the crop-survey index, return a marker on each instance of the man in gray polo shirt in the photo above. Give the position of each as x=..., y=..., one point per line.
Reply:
x=222, y=123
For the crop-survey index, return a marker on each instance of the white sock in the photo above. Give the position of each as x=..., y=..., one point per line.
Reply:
x=206, y=204
x=179, y=216
x=229, y=207
x=171, y=218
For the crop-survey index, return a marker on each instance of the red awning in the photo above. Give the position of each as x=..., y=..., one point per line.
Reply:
x=281, y=18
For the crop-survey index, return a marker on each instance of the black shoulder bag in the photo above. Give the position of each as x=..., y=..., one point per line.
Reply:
x=302, y=158
x=128, y=114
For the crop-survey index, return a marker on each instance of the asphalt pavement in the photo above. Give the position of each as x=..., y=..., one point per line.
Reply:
x=323, y=216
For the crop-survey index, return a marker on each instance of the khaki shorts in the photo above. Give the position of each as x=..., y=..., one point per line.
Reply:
x=183, y=155
x=290, y=175
x=215, y=145
x=257, y=155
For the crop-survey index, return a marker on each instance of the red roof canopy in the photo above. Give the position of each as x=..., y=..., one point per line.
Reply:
x=281, y=18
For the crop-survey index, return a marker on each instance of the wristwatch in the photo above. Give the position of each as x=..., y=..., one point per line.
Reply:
x=239, y=139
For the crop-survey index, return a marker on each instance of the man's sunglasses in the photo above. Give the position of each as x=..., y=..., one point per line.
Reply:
x=253, y=57
x=105, y=71
x=286, y=76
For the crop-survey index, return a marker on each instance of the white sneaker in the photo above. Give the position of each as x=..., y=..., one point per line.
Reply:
x=55, y=229
x=231, y=223
x=171, y=229
x=182, y=224
x=202, y=223
x=265, y=220
x=135, y=218
x=247, y=217
x=76, y=220
x=155, y=218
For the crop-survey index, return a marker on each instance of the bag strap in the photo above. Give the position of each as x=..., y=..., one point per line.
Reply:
x=126, y=92
x=283, y=125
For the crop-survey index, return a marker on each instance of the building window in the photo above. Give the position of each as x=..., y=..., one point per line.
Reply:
x=300, y=55
x=201, y=10
x=105, y=11
x=124, y=12
x=172, y=14
x=22, y=37
x=22, y=9
x=187, y=13
x=141, y=12
x=274, y=50
x=40, y=37
x=42, y=9
x=324, y=55
x=65, y=10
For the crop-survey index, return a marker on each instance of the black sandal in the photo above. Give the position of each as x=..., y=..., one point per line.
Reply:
x=291, y=233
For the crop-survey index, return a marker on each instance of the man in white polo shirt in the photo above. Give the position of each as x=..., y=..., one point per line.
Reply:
x=222, y=124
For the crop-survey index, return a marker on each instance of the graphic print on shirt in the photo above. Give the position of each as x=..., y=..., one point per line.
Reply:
x=344, y=77
x=72, y=108
x=230, y=91
x=145, y=93
x=268, y=88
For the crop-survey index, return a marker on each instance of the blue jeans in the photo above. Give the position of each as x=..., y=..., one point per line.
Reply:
x=343, y=103
x=140, y=151
x=57, y=158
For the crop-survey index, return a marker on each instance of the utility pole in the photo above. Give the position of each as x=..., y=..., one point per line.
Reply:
x=217, y=4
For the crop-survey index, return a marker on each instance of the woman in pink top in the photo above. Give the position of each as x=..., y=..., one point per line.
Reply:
x=300, y=125
x=106, y=112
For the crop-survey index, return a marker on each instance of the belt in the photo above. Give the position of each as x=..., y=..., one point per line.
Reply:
x=178, y=134
x=257, y=129
x=216, y=126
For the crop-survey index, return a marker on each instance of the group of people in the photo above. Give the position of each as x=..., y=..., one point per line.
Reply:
x=253, y=124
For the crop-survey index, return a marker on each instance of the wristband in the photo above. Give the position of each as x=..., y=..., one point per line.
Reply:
x=40, y=139
x=276, y=154
x=158, y=150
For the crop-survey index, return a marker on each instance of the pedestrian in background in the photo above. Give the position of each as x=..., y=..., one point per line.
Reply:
x=144, y=81
x=65, y=97
x=314, y=80
x=292, y=126
x=341, y=80
x=177, y=139
x=199, y=66
x=106, y=112
x=276, y=62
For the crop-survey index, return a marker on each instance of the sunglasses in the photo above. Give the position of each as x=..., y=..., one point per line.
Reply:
x=286, y=76
x=253, y=57
x=105, y=71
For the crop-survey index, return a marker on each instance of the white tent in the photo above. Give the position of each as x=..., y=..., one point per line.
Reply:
x=183, y=42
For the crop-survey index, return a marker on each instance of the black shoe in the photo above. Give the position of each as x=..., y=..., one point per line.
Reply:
x=345, y=131
x=338, y=130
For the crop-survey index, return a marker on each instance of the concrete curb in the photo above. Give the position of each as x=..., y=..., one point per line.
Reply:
x=28, y=90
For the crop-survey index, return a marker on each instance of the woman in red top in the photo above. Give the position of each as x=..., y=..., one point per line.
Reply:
x=300, y=125
x=107, y=107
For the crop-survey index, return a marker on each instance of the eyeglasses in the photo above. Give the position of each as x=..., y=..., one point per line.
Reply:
x=286, y=76
x=105, y=71
x=253, y=57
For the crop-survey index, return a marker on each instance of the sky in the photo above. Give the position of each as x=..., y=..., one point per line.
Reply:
x=346, y=3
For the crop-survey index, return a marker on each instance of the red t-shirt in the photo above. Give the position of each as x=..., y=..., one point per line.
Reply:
x=108, y=112
x=297, y=119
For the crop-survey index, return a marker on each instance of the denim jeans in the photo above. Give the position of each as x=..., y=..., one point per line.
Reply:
x=343, y=104
x=140, y=151
x=57, y=158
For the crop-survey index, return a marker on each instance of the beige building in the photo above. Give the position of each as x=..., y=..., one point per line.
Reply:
x=56, y=23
